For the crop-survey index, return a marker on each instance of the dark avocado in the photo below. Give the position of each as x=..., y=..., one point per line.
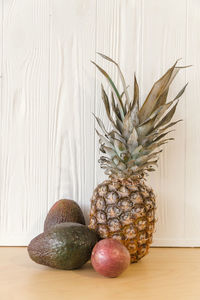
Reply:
x=65, y=246
x=62, y=211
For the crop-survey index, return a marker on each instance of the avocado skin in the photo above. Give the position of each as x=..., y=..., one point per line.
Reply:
x=66, y=246
x=62, y=211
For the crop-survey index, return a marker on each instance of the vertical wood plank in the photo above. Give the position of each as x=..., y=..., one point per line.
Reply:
x=24, y=119
x=72, y=101
x=192, y=141
x=1, y=45
x=1, y=90
x=163, y=43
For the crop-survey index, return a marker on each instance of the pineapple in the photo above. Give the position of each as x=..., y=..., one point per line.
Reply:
x=123, y=207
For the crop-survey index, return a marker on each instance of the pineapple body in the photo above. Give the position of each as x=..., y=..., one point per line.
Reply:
x=124, y=209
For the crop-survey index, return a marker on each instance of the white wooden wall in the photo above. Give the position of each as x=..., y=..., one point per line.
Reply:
x=49, y=89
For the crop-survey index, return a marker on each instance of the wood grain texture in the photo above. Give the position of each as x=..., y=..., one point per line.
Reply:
x=169, y=180
x=71, y=95
x=49, y=89
x=163, y=274
x=25, y=117
x=192, y=132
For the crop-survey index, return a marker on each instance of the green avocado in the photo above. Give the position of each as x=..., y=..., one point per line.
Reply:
x=65, y=246
x=62, y=211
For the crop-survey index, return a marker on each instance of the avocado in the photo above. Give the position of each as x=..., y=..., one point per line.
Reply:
x=62, y=211
x=65, y=246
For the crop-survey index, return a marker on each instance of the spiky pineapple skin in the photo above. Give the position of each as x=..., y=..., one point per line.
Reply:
x=124, y=210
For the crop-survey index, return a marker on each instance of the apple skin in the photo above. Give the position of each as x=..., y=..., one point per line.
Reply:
x=110, y=258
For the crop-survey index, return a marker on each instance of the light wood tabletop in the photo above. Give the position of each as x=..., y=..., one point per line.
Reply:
x=165, y=273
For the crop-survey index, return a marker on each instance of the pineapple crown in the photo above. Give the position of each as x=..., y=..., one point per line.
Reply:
x=130, y=149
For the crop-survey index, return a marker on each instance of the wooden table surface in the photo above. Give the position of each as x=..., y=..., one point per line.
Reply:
x=165, y=273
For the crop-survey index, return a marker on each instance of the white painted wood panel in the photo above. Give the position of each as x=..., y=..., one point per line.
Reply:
x=158, y=54
x=192, y=119
x=24, y=147
x=72, y=101
x=49, y=90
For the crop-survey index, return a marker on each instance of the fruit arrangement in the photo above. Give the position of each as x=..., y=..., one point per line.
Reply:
x=122, y=216
x=67, y=243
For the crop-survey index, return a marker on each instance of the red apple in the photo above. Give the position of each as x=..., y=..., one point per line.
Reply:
x=110, y=258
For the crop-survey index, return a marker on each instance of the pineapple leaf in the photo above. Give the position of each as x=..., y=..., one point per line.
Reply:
x=150, y=169
x=119, y=125
x=162, y=99
x=109, y=151
x=120, y=147
x=121, y=108
x=127, y=125
x=149, y=163
x=162, y=110
x=143, y=159
x=135, y=103
x=150, y=139
x=167, y=105
x=139, y=169
x=154, y=114
x=122, y=94
x=107, y=106
x=137, y=151
x=146, y=128
x=115, y=135
x=101, y=125
x=115, y=107
x=156, y=132
x=181, y=92
x=170, y=125
x=162, y=136
x=167, y=118
x=154, y=146
x=158, y=88
x=121, y=76
x=103, y=140
x=110, y=170
x=132, y=142
x=114, y=163
x=105, y=100
x=134, y=116
x=107, y=165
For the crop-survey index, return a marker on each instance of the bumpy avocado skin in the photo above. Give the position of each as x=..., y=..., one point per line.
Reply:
x=62, y=211
x=66, y=246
